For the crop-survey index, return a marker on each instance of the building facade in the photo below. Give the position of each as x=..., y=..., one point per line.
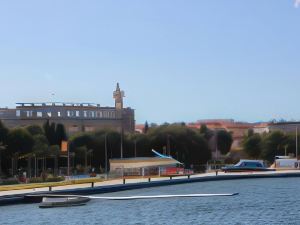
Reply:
x=237, y=129
x=76, y=117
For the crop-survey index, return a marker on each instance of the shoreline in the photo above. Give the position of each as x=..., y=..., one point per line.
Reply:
x=21, y=196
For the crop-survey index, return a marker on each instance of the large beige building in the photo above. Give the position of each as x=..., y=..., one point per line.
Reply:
x=77, y=117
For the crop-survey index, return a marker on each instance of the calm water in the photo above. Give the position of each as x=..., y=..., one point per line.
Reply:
x=261, y=201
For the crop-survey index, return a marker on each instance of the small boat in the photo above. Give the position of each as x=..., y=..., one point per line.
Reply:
x=63, y=202
x=247, y=166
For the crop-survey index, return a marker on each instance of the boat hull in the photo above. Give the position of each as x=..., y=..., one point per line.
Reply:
x=63, y=202
x=239, y=169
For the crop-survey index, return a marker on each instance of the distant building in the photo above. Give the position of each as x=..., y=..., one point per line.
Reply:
x=286, y=127
x=261, y=128
x=141, y=166
x=238, y=129
x=76, y=117
x=139, y=128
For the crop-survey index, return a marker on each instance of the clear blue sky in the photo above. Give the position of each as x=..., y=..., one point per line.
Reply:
x=176, y=60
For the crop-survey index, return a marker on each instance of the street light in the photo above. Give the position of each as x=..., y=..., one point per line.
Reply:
x=85, y=160
x=2, y=147
x=168, y=145
x=296, y=142
x=135, y=148
x=105, y=156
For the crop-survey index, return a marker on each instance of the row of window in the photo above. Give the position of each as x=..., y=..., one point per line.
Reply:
x=77, y=128
x=69, y=113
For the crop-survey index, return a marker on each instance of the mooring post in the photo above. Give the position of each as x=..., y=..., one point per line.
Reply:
x=93, y=184
x=189, y=176
x=149, y=179
x=50, y=188
x=171, y=177
x=123, y=180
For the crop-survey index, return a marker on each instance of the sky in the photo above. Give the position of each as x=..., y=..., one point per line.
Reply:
x=176, y=60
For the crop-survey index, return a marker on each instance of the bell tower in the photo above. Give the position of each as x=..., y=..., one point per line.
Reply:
x=118, y=96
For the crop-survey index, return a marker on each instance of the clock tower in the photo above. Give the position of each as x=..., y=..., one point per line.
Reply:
x=118, y=96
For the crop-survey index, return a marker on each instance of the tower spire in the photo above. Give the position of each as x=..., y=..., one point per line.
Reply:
x=118, y=96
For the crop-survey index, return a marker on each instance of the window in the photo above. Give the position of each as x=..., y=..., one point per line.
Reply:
x=89, y=129
x=18, y=113
x=77, y=114
x=58, y=114
x=49, y=114
x=85, y=113
x=74, y=128
x=29, y=113
x=113, y=115
x=39, y=114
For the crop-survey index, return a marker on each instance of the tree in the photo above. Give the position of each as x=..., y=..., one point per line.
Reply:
x=35, y=130
x=3, y=133
x=20, y=142
x=40, y=150
x=273, y=144
x=60, y=134
x=253, y=145
x=224, y=141
x=205, y=132
x=146, y=127
x=50, y=133
x=250, y=132
x=3, y=142
x=186, y=145
x=54, y=151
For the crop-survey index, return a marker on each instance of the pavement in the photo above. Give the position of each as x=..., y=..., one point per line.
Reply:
x=144, y=180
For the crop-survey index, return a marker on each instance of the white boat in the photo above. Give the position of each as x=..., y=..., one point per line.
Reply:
x=245, y=165
x=51, y=202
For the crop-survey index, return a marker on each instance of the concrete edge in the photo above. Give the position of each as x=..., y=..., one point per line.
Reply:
x=37, y=196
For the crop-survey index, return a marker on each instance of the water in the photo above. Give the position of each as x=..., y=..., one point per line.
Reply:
x=261, y=201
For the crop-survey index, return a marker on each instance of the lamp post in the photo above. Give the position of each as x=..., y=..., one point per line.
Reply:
x=285, y=149
x=68, y=149
x=105, y=156
x=296, y=142
x=168, y=145
x=135, y=148
x=2, y=147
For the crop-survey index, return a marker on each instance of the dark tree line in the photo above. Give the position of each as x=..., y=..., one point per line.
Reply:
x=222, y=138
x=186, y=145
x=21, y=147
x=268, y=145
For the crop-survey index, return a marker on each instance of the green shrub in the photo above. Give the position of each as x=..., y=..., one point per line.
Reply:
x=48, y=179
x=10, y=181
x=55, y=179
x=36, y=180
